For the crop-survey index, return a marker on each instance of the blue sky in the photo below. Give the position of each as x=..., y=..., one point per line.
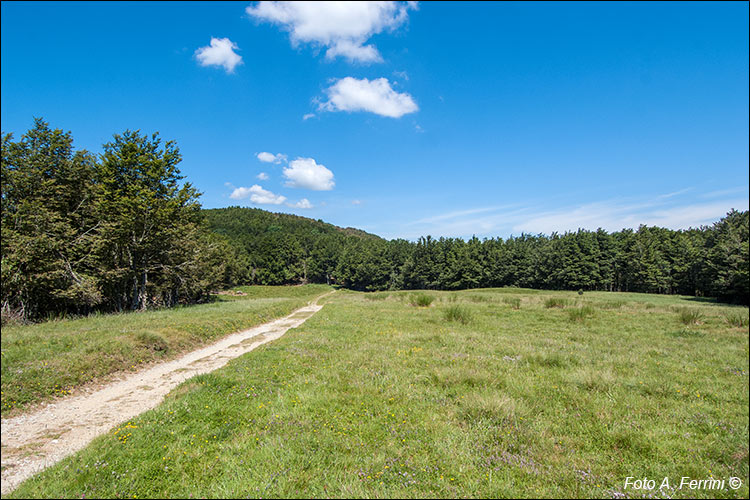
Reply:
x=449, y=119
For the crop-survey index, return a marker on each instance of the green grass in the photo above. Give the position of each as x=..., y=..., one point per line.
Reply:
x=580, y=313
x=457, y=313
x=53, y=358
x=381, y=399
x=513, y=302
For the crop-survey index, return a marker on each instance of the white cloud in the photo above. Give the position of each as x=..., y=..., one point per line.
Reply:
x=356, y=202
x=262, y=176
x=219, y=53
x=303, y=203
x=343, y=27
x=305, y=173
x=376, y=96
x=257, y=195
x=308, y=116
x=271, y=158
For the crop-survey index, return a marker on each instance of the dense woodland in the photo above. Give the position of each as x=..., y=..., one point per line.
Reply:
x=284, y=249
x=114, y=232
x=122, y=230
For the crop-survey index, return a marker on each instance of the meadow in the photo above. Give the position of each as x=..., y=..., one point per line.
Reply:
x=54, y=358
x=483, y=393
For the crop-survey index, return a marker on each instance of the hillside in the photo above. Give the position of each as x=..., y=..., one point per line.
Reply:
x=236, y=222
x=278, y=248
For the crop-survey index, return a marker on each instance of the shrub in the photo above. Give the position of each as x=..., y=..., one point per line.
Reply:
x=457, y=313
x=152, y=341
x=421, y=299
x=513, y=302
x=580, y=291
x=580, y=313
x=555, y=302
x=690, y=316
x=737, y=319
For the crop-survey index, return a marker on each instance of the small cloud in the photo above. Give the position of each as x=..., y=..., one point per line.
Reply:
x=343, y=27
x=402, y=74
x=356, y=202
x=306, y=173
x=271, y=158
x=303, y=203
x=376, y=96
x=257, y=195
x=418, y=128
x=219, y=53
x=262, y=176
x=308, y=116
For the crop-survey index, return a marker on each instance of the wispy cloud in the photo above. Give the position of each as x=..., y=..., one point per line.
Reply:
x=262, y=176
x=459, y=214
x=672, y=210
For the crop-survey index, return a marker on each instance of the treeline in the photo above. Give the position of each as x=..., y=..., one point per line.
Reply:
x=114, y=232
x=282, y=249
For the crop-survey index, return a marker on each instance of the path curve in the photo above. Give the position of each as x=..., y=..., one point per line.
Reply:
x=35, y=441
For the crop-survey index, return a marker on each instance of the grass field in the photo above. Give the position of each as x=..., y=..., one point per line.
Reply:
x=51, y=359
x=484, y=393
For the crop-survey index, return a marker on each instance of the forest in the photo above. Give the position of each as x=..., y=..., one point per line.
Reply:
x=710, y=261
x=123, y=230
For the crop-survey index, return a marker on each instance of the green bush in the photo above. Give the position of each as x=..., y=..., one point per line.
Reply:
x=556, y=302
x=690, y=316
x=421, y=299
x=737, y=319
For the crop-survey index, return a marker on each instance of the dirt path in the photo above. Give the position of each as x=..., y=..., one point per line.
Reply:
x=33, y=442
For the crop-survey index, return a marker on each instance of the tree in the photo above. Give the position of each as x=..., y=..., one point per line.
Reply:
x=145, y=216
x=728, y=258
x=49, y=195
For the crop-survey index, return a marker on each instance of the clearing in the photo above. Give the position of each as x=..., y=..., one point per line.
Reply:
x=482, y=393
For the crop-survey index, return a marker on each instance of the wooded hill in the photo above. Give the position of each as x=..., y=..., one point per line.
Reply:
x=284, y=249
